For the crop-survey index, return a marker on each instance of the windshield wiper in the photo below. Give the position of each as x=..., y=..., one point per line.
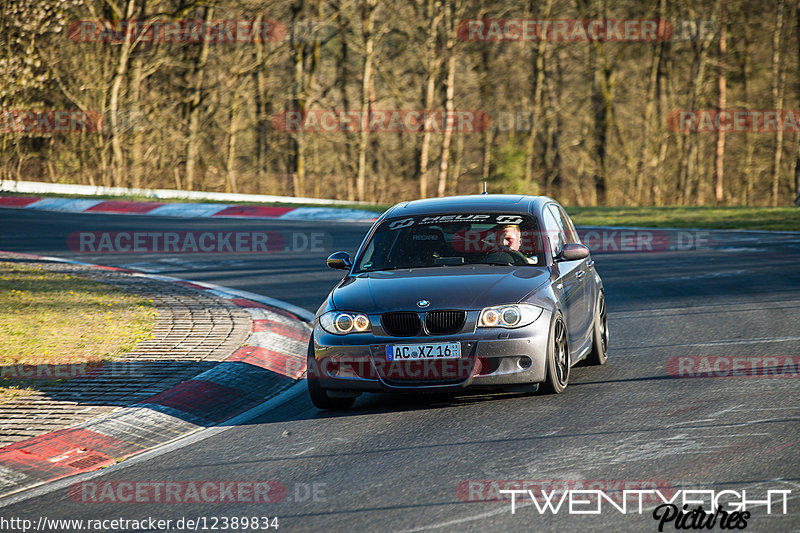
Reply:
x=385, y=268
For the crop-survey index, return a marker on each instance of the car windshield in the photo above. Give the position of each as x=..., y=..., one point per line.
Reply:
x=453, y=240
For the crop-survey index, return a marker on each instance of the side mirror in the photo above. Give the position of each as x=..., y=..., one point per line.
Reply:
x=573, y=252
x=340, y=261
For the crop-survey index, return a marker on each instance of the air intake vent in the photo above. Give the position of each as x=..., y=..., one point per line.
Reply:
x=404, y=324
x=445, y=322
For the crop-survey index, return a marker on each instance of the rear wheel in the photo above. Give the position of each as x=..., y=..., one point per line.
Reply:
x=599, y=353
x=319, y=396
x=558, y=362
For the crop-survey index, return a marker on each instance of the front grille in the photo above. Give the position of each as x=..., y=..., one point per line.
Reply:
x=445, y=322
x=403, y=324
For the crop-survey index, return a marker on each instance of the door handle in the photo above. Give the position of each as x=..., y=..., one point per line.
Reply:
x=580, y=274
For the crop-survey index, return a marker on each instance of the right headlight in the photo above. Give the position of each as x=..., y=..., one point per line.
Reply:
x=342, y=322
x=509, y=316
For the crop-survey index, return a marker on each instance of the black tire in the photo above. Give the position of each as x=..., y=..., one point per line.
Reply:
x=599, y=353
x=319, y=396
x=558, y=360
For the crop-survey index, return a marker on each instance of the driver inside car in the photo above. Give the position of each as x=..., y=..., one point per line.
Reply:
x=510, y=237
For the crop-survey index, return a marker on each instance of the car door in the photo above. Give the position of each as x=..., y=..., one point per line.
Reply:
x=566, y=282
x=587, y=287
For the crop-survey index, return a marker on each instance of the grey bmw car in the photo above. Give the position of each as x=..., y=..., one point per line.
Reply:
x=444, y=294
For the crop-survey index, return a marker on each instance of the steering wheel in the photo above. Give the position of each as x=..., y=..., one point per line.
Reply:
x=507, y=256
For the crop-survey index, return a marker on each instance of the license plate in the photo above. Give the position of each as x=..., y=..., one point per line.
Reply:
x=406, y=352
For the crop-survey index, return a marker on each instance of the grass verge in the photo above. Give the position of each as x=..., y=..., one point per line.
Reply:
x=51, y=320
x=753, y=218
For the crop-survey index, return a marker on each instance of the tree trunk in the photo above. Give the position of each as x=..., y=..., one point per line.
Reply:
x=193, y=142
x=457, y=163
x=297, y=164
x=554, y=176
x=118, y=160
x=432, y=63
x=688, y=170
x=231, y=185
x=646, y=161
x=797, y=135
x=135, y=116
x=342, y=81
x=367, y=28
x=538, y=90
x=719, y=165
x=602, y=87
x=663, y=100
x=449, y=11
x=796, y=170
x=745, y=60
x=261, y=104
x=777, y=98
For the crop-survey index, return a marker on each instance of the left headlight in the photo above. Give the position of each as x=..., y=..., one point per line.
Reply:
x=509, y=316
x=344, y=322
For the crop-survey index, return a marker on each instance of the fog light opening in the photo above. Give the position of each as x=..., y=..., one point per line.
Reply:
x=524, y=362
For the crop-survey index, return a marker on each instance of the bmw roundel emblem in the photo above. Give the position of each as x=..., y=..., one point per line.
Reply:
x=423, y=303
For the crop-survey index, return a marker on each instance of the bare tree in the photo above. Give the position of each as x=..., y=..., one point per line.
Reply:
x=195, y=102
x=537, y=84
x=719, y=162
x=450, y=15
x=688, y=170
x=262, y=103
x=777, y=98
x=368, y=41
x=432, y=62
x=797, y=135
x=744, y=56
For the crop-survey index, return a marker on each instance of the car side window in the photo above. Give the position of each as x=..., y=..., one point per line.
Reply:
x=566, y=223
x=554, y=230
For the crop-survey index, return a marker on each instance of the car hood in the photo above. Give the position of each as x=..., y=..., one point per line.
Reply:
x=444, y=287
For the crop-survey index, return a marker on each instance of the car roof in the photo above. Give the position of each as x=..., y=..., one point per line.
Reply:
x=505, y=203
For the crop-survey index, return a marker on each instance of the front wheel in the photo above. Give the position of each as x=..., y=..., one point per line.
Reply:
x=599, y=353
x=557, y=359
x=319, y=396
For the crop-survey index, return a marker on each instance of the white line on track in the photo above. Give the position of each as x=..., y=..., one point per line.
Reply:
x=503, y=509
x=726, y=410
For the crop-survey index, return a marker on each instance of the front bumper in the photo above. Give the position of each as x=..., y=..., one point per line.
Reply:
x=490, y=358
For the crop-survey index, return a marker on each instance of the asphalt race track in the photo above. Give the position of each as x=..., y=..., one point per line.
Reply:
x=401, y=464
